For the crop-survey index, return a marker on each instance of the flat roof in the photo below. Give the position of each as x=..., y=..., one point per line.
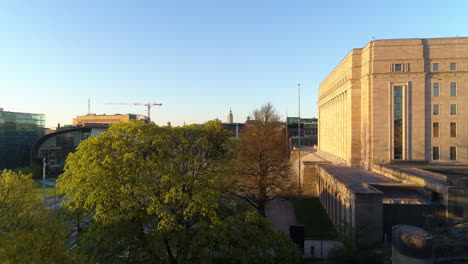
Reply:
x=433, y=173
x=356, y=179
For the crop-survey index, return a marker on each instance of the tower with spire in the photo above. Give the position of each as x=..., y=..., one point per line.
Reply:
x=230, y=117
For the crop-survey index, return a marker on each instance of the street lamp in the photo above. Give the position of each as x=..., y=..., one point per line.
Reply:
x=299, y=140
x=44, y=164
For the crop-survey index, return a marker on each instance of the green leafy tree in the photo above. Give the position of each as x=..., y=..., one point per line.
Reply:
x=29, y=232
x=158, y=194
x=263, y=160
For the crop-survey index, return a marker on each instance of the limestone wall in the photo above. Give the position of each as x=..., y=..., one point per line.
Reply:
x=356, y=120
x=338, y=106
x=346, y=208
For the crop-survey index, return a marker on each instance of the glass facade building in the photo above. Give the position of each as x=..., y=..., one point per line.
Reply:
x=18, y=133
x=309, y=130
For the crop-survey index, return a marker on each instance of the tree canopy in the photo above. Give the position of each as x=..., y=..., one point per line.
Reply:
x=161, y=194
x=29, y=232
x=262, y=162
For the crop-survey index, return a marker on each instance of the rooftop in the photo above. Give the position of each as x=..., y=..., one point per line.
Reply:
x=441, y=174
x=356, y=179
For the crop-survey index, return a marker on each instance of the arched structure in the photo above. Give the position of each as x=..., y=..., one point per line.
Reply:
x=56, y=146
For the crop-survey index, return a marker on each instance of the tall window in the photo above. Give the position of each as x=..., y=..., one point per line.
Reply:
x=453, y=89
x=453, y=109
x=435, y=66
x=435, y=109
x=453, y=153
x=397, y=122
x=435, y=153
x=435, y=129
x=435, y=89
x=453, y=129
x=453, y=66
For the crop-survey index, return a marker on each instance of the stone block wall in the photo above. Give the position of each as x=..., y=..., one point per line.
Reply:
x=348, y=208
x=356, y=102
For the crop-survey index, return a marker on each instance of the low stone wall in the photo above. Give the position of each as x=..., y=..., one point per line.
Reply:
x=310, y=178
x=457, y=209
x=454, y=198
x=348, y=208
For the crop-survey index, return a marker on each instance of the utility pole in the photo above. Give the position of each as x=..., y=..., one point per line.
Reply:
x=299, y=140
x=43, y=178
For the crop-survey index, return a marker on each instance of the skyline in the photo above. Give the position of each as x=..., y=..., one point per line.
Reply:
x=197, y=59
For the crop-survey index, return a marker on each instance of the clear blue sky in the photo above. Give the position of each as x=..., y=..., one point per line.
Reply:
x=198, y=58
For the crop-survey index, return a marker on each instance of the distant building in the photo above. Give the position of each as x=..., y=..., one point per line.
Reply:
x=308, y=130
x=230, y=117
x=93, y=120
x=234, y=128
x=18, y=133
x=56, y=146
x=308, y=126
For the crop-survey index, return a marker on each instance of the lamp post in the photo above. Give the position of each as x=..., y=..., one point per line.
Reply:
x=299, y=140
x=43, y=178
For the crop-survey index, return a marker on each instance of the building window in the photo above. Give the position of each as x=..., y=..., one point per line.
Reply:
x=435, y=89
x=435, y=153
x=453, y=153
x=435, y=66
x=453, y=109
x=397, y=122
x=435, y=129
x=453, y=66
x=453, y=89
x=453, y=129
x=398, y=68
x=435, y=109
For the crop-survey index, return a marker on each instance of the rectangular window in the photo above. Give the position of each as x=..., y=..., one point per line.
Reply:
x=435, y=89
x=398, y=67
x=453, y=89
x=453, y=129
x=453, y=109
x=435, y=66
x=397, y=122
x=453, y=153
x=435, y=153
x=435, y=129
x=453, y=66
x=435, y=109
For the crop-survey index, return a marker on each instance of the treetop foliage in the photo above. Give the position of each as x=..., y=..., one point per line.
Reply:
x=163, y=194
x=29, y=232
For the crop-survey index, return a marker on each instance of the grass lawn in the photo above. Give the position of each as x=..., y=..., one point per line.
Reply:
x=315, y=223
x=50, y=190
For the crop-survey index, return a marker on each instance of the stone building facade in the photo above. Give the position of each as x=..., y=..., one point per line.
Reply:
x=105, y=120
x=400, y=99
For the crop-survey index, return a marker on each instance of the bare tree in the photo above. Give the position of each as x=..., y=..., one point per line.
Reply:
x=262, y=162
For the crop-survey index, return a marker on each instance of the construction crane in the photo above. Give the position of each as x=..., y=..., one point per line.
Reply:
x=149, y=105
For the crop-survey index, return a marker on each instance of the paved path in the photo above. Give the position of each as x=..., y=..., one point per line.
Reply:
x=48, y=182
x=281, y=213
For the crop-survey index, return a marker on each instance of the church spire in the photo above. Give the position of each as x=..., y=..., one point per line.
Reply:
x=230, y=118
